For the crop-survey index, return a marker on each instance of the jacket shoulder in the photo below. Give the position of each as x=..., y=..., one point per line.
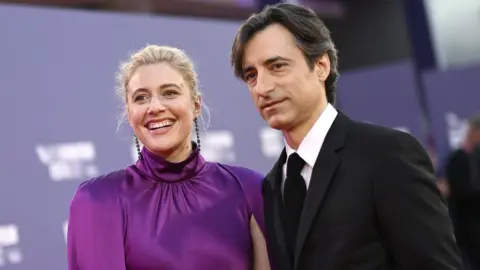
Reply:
x=371, y=135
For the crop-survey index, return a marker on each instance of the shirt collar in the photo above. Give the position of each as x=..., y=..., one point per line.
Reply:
x=312, y=143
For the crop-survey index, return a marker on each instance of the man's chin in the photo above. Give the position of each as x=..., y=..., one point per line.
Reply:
x=278, y=123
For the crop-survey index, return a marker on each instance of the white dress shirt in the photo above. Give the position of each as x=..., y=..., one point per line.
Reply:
x=312, y=143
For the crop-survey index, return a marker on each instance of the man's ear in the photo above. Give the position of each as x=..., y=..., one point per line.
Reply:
x=322, y=67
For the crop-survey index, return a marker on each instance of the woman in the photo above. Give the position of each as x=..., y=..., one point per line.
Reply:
x=172, y=209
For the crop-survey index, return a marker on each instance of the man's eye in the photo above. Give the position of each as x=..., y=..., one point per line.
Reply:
x=249, y=77
x=278, y=65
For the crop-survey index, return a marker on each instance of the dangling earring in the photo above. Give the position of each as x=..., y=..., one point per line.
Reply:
x=137, y=144
x=197, y=132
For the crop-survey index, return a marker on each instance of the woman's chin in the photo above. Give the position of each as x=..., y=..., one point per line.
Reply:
x=160, y=149
x=160, y=143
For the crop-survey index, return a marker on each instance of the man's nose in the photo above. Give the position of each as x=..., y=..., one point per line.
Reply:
x=264, y=84
x=156, y=106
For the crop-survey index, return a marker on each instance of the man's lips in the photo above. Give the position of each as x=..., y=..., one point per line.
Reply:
x=270, y=104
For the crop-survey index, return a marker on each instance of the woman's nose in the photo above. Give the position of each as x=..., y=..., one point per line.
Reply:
x=156, y=106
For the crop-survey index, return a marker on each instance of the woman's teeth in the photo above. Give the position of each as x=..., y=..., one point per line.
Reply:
x=157, y=125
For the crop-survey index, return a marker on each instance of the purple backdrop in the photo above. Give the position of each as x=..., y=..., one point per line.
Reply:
x=58, y=100
x=384, y=95
x=60, y=110
x=453, y=96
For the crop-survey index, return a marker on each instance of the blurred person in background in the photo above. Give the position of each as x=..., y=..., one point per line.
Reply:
x=172, y=209
x=343, y=195
x=463, y=174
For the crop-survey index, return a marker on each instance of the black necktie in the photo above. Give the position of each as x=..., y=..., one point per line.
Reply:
x=293, y=197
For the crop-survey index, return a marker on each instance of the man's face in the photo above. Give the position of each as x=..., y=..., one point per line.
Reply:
x=284, y=88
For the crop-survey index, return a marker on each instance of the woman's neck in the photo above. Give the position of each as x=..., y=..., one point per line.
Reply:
x=179, y=154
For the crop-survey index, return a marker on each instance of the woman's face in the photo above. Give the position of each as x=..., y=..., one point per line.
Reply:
x=161, y=110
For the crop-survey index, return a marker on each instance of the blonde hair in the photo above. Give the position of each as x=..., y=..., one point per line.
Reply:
x=153, y=54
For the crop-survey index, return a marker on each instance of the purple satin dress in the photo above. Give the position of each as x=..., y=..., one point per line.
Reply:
x=157, y=215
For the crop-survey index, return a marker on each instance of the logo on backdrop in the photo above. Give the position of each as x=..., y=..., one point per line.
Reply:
x=9, y=245
x=69, y=161
x=271, y=141
x=218, y=146
x=456, y=130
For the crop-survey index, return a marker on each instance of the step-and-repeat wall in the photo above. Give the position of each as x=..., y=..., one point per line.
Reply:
x=384, y=95
x=453, y=97
x=59, y=111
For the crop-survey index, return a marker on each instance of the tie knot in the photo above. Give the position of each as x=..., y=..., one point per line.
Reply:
x=294, y=165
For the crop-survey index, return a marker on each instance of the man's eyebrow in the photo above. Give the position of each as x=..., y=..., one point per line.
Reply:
x=269, y=61
x=276, y=59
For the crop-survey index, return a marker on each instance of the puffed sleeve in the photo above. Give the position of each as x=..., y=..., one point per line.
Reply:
x=251, y=182
x=95, y=238
x=252, y=185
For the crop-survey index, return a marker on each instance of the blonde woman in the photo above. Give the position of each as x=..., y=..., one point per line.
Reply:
x=172, y=209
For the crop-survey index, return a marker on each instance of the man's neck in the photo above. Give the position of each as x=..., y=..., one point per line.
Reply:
x=295, y=136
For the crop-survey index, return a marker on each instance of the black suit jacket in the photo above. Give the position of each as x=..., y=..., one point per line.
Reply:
x=463, y=175
x=372, y=204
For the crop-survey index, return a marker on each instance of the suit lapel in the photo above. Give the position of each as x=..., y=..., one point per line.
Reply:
x=323, y=172
x=275, y=205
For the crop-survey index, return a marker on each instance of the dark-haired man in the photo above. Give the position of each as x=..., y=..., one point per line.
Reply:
x=463, y=174
x=343, y=195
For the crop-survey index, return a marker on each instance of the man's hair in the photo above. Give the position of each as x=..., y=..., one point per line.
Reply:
x=474, y=122
x=310, y=33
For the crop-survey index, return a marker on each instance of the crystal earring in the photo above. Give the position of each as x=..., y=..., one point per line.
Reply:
x=197, y=132
x=137, y=144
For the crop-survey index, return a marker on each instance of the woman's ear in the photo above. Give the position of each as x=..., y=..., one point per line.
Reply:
x=197, y=107
x=127, y=116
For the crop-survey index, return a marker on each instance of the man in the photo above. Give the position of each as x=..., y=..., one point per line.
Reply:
x=372, y=202
x=463, y=174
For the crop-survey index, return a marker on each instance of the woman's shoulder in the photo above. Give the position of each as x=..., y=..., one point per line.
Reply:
x=100, y=189
x=250, y=180
x=242, y=173
x=251, y=183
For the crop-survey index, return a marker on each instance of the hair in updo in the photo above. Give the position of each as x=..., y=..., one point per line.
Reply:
x=154, y=54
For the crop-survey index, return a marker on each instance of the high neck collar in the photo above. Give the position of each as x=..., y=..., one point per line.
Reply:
x=162, y=170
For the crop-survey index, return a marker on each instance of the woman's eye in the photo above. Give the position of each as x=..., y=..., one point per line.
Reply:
x=140, y=98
